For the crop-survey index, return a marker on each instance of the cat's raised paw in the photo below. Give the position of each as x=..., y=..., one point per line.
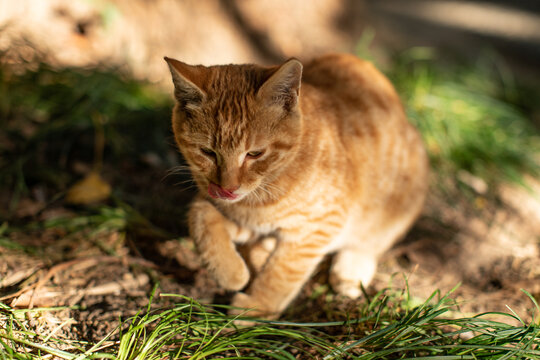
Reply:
x=232, y=273
x=348, y=289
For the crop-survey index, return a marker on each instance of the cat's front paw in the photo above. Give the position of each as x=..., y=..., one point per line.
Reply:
x=231, y=272
x=350, y=289
x=246, y=305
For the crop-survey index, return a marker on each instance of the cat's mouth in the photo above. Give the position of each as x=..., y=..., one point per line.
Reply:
x=217, y=192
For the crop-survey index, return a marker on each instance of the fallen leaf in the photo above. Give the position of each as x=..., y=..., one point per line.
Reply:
x=89, y=190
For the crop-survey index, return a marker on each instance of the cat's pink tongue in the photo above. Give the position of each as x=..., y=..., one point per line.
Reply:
x=217, y=192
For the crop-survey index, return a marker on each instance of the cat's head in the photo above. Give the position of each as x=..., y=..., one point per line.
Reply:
x=238, y=126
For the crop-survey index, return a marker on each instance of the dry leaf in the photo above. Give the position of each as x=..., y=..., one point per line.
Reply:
x=89, y=190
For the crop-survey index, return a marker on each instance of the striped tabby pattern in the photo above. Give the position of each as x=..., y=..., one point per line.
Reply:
x=300, y=161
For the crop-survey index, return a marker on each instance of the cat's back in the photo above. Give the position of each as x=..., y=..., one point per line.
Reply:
x=359, y=109
x=356, y=104
x=349, y=81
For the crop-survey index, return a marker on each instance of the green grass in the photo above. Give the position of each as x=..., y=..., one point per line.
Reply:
x=473, y=116
x=389, y=328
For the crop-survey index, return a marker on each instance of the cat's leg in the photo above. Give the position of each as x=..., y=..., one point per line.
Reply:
x=282, y=277
x=350, y=268
x=260, y=252
x=356, y=262
x=239, y=235
x=213, y=235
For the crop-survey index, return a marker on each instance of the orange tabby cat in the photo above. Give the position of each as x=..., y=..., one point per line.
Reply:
x=320, y=157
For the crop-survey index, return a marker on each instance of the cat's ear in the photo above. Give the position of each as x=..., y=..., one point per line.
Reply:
x=185, y=78
x=283, y=86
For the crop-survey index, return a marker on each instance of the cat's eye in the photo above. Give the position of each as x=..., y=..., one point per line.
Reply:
x=255, y=154
x=208, y=152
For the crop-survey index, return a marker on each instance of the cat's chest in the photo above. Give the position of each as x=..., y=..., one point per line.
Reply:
x=262, y=220
x=289, y=214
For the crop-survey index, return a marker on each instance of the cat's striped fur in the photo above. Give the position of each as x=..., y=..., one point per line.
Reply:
x=321, y=157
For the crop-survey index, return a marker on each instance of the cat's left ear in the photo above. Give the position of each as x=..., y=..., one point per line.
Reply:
x=186, y=80
x=283, y=86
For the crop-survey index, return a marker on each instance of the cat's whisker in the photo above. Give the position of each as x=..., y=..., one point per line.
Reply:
x=184, y=182
x=194, y=186
x=178, y=171
x=275, y=188
x=180, y=166
x=257, y=195
x=274, y=192
x=268, y=193
x=166, y=176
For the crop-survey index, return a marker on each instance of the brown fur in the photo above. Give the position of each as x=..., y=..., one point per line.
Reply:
x=342, y=171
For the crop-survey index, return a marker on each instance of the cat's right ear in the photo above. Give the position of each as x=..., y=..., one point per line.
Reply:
x=283, y=86
x=185, y=78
